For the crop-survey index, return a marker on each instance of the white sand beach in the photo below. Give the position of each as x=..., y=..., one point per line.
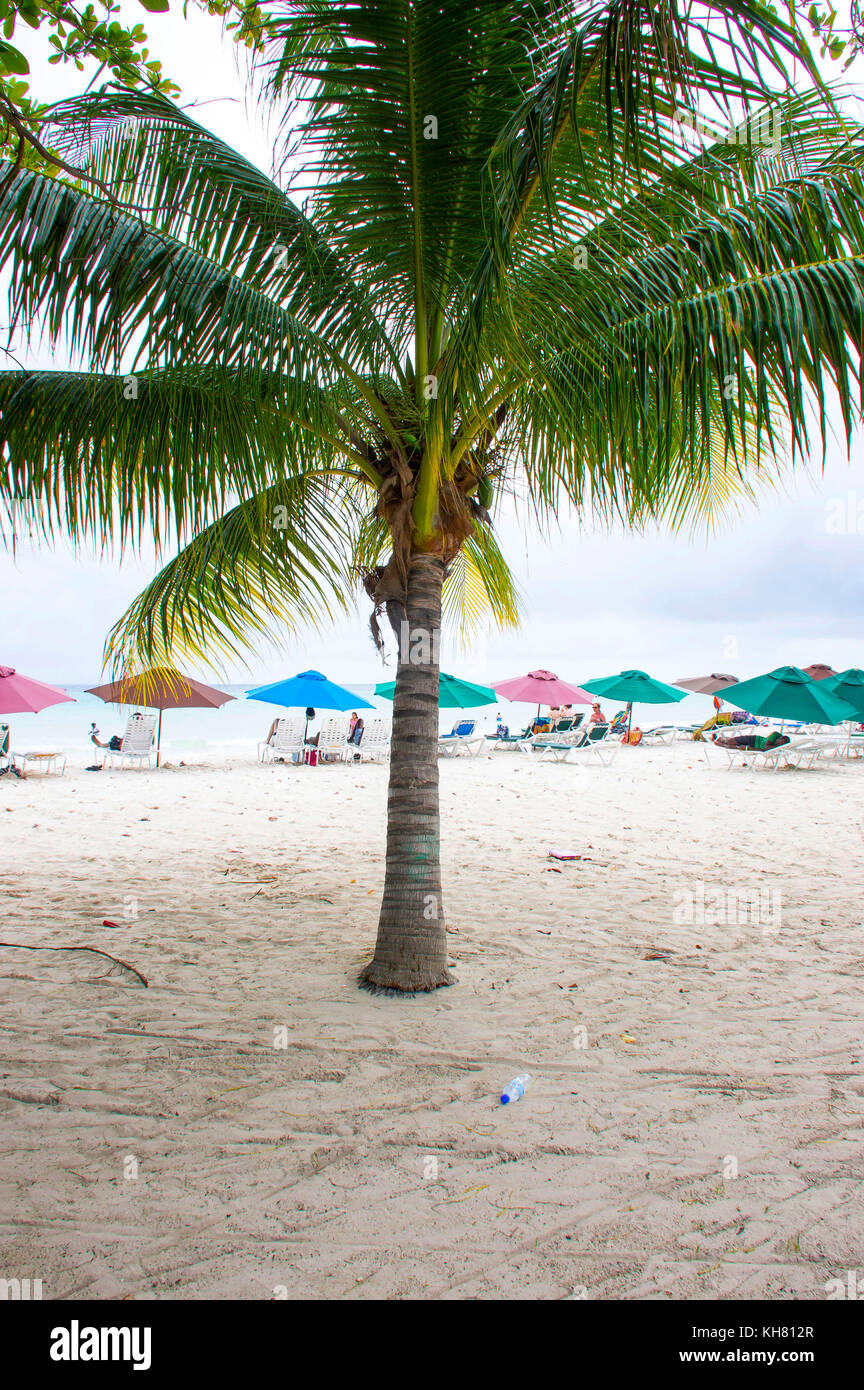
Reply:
x=369, y=1156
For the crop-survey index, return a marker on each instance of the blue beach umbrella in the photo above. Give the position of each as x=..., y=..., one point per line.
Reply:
x=308, y=690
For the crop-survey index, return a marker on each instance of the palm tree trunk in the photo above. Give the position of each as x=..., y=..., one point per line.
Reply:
x=411, y=950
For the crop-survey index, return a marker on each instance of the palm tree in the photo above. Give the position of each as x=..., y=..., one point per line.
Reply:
x=513, y=270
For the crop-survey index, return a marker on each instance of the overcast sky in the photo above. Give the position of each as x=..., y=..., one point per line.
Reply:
x=781, y=585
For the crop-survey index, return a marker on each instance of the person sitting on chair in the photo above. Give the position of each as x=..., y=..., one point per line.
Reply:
x=114, y=744
x=311, y=739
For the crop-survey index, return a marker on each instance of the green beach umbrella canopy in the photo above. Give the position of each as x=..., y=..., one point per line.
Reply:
x=635, y=687
x=452, y=693
x=788, y=693
x=848, y=685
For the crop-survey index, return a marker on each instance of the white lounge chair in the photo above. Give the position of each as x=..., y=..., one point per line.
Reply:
x=799, y=752
x=464, y=742
x=44, y=762
x=139, y=742
x=555, y=744
x=597, y=743
x=287, y=741
x=333, y=738
x=662, y=733
x=374, y=746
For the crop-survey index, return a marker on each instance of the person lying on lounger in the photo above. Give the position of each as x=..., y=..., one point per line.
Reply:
x=757, y=741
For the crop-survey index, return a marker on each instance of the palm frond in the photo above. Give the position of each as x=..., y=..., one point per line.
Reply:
x=479, y=588
x=110, y=458
x=260, y=571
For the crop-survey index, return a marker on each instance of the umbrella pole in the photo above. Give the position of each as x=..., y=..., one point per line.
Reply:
x=159, y=738
x=629, y=718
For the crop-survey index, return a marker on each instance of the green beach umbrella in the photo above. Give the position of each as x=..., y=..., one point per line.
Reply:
x=849, y=686
x=452, y=693
x=788, y=693
x=634, y=687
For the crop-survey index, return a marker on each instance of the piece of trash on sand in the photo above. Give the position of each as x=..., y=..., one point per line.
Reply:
x=517, y=1088
x=108, y=923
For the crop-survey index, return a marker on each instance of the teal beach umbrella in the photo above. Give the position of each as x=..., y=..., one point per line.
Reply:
x=453, y=693
x=635, y=687
x=788, y=693
x=849, y=686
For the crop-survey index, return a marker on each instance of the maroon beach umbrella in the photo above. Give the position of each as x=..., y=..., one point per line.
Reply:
x=161, y=688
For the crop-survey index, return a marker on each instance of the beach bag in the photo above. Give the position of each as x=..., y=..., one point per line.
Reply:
x=312, y=757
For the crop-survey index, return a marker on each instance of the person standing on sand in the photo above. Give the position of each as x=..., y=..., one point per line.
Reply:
x=355, y=727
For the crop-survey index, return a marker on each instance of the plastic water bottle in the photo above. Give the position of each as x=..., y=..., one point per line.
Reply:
x=517, y=1088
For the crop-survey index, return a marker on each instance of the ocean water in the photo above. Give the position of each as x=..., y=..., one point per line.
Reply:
x=236, y=729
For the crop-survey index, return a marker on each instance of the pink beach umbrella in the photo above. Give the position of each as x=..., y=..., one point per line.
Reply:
x=22, y=695
x=544, y=687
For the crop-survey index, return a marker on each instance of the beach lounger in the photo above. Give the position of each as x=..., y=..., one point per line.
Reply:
x=554, y=745
x=508, y=741
x=333, y=738
x=4, y=745
x=855, y=744
x=139, y=742
x=463, y=742
x=374, y=746
x=662, y=733
x=42, y=762
x=800, y=753
x=287, y=741
x=597, y=743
